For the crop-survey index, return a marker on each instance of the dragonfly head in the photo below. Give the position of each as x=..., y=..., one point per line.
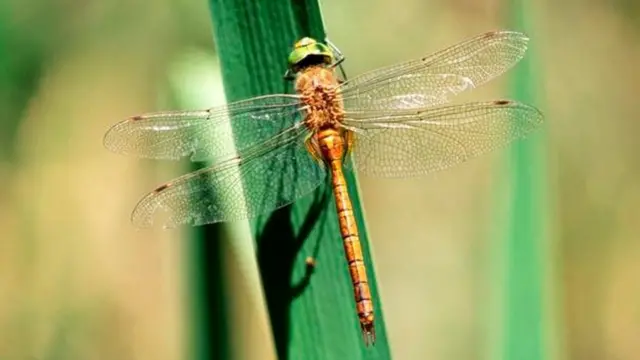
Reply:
x=307, y=52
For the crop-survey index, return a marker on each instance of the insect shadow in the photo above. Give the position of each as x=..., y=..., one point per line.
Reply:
x=279, y=245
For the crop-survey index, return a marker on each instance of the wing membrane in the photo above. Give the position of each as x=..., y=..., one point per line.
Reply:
x=433, y=79
x=411, y=143
x=259, y=181
x=204, y=134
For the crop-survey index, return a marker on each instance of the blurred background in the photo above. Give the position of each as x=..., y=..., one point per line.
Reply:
x=78, y=282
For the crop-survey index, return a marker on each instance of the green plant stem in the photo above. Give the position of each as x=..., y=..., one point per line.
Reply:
x=312, y=312
x=525, y=316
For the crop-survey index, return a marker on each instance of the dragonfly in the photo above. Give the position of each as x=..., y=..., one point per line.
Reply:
x=396, y=121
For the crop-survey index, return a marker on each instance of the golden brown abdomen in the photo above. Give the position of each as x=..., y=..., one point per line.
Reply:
x=331, y=143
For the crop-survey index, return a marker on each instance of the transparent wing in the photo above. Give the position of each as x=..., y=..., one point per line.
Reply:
x=431, y=80
x=410, y=143
x=204, y=134
x=259, y=181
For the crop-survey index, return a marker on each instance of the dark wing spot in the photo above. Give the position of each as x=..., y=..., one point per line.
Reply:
x=136, y=118
x=502, y=102
x=162, y=188
x=490, y=34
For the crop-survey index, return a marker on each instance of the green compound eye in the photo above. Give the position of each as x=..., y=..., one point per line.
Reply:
x=309, y=51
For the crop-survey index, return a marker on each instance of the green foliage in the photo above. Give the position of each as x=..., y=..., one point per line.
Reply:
x=525, y=315
x=21, y=58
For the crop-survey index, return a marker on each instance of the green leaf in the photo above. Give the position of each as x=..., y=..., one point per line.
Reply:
x=526, y=316
x=312, y=311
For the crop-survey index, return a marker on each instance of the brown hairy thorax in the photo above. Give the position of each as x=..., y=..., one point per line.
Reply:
x=318, y=86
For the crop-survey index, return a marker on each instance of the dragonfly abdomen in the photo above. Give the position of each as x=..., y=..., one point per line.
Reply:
x=331, y=143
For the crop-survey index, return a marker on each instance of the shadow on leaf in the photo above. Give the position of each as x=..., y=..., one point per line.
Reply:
x=279, y=245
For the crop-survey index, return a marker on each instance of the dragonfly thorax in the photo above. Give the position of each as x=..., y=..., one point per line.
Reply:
x=319, y=89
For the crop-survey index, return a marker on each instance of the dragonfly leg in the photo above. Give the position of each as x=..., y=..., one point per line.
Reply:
x=350, y=140
x=339, y=57
x=313, y=148
x=310, y=261
x=288, y=77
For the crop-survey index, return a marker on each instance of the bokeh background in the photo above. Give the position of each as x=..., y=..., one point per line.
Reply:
x=78, y=282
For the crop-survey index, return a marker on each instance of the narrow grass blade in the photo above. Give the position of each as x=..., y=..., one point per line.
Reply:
x=525, y=228
x=312, y=312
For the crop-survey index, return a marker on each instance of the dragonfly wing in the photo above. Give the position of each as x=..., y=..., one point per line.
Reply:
x=431, y=80
x=204, y=134
x=411, y=143
x=260, y=180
